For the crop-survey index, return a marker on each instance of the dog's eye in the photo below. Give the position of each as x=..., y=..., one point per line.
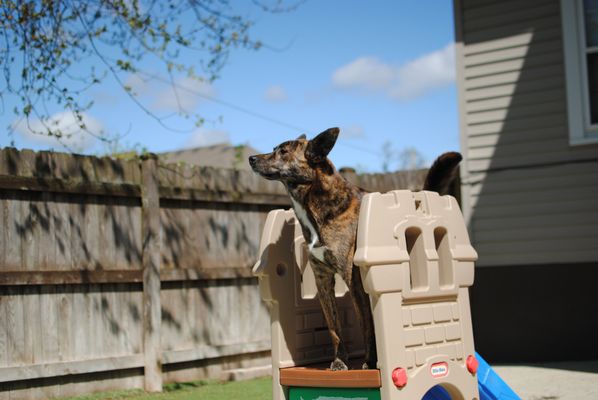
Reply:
x=283, y=151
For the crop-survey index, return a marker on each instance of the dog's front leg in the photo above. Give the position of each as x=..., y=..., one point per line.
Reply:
x=325, y=285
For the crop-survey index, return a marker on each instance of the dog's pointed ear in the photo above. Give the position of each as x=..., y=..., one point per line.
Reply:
x=302, y=136
x=319, y=147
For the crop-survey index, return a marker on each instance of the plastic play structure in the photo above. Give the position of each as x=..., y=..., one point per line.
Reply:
x=416, y=263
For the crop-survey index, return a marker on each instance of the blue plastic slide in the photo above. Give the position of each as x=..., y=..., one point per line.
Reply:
x=491, y=386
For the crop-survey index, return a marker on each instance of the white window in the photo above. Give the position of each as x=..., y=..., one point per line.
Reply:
x=580, y=38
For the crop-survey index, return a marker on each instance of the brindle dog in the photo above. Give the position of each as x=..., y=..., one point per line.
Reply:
x=327, y=206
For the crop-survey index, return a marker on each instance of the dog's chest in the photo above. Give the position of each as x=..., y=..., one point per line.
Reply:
x=305, y=221
x=317, y=252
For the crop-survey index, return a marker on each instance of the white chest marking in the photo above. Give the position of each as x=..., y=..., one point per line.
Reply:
x=317, y=252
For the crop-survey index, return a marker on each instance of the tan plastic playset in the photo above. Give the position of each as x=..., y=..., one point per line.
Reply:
x=416, y=262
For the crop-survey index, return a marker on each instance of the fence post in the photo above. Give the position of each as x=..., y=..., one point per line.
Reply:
x=152, y=315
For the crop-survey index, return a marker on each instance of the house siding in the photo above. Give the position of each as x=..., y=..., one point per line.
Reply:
x=529, y=197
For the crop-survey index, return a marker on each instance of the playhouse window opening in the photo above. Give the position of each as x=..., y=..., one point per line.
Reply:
x=445, y=265
x=418, y=204
x=418, y=274
x=308, y=284
x=441, y=392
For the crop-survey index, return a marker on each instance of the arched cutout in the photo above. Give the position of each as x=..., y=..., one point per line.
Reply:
x=418, y=274
x=308, y=283
x=444, y=391
x=437, y=392
x=445, y=262
x=309, y=290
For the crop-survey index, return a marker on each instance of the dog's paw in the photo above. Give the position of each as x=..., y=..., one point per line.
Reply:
x=338, y=365
x=368, y=366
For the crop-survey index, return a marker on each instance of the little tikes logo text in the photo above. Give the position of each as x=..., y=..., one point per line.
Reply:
x=439, y=370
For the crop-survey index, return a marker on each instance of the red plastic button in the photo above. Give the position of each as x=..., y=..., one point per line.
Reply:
x=399, y=377
x=472, y=364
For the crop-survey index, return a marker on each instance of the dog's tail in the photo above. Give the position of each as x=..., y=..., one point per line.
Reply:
x=442, y=172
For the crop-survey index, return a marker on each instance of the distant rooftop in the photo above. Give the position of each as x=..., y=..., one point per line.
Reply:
x=220, y=156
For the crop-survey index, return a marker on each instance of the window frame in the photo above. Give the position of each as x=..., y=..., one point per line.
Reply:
x=581, y=130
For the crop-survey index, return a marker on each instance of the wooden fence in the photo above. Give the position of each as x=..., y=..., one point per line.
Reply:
x=128, y=274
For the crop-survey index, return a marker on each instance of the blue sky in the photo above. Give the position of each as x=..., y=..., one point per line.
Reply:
x=380, y=70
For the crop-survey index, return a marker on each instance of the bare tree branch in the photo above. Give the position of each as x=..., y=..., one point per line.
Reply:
x=47, y=44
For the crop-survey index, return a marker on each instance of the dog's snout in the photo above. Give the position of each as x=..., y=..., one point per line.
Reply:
x=252, y=160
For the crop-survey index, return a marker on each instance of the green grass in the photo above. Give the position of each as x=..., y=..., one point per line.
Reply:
x=255, y=389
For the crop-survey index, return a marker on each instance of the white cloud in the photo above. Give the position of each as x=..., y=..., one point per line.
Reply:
x=402, y=82
x=184, y=95
x=354, y=131
x=73, y=136
x=138, y=84
x=365, y=72
x=206, y=137
x=276, y=94
x=426, y=73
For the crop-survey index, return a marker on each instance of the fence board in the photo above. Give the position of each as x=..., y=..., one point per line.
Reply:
x=95, y=334
x=207, y=351
x=65, y=316
x=150, y=232
x=15, y=327
x=45, y=370
x=125, y=223
x=4, y=321
x=92, y=231
x=106, y=242
x=24, y=224
x=47, y=232
x=3, y=232
x=12, y=238
x=80, y=277
x=62, y=234
x=76, y=225
x=80, y=325
x=68, y=277
x=210, y=236
x=48, y=324
x=66, y=185
x=135, y=330
x=30, y=318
